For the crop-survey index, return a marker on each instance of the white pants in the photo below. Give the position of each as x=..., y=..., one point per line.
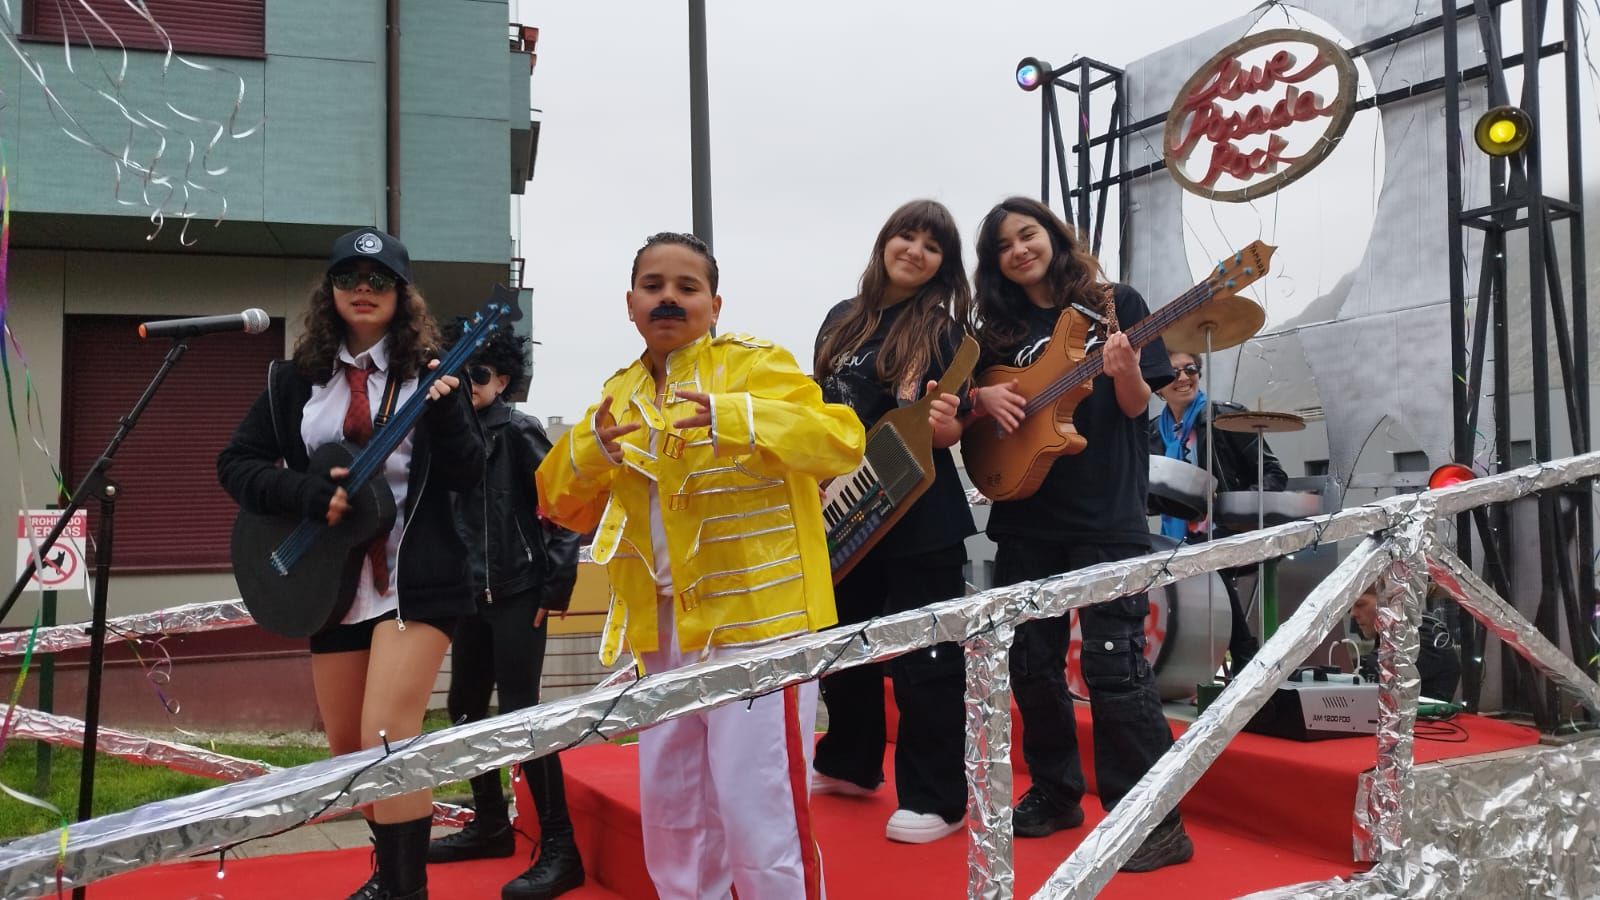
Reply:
x=725, y=794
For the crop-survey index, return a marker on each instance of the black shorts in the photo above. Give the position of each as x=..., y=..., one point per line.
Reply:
x=358, y=636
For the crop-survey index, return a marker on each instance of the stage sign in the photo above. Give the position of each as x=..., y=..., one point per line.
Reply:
x=1261, y=113
x=62, y=568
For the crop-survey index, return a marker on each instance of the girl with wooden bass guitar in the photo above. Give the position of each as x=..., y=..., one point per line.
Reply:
x=1089, y=508
x=876, y=351
x=368, y=336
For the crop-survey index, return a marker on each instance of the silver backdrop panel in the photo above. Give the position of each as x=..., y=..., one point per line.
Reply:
x=1410, y=225
x=1394, y=365
x=1355, y=390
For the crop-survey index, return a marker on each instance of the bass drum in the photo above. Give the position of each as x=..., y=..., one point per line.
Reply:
x=1175, y=634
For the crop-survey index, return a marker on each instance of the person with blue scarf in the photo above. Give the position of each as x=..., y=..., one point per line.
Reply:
x=1180, y=433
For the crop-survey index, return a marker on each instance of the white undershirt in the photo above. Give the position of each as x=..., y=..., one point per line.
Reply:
x=323, y=422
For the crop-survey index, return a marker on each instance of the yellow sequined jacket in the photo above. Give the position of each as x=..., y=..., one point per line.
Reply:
x=739, y=500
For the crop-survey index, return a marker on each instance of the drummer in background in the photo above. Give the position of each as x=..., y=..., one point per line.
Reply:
x=1179, y=432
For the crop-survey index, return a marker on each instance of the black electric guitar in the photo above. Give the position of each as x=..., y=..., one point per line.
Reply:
x=298, y=576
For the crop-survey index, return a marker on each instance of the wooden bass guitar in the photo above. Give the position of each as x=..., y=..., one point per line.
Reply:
x=1012, y=466
x=298, y=576
x=860, y=508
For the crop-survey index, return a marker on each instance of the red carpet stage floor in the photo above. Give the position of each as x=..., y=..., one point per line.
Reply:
x=1269, y=812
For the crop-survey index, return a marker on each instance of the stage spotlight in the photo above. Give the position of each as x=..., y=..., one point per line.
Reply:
x=1503, y=131
x=1032, y=72
x=1450, y=475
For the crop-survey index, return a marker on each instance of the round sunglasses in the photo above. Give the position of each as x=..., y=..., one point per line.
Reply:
x=378, y=281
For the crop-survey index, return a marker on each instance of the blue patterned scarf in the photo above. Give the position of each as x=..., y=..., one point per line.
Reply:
x=1175, y=438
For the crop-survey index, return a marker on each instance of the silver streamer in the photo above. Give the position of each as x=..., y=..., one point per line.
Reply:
x=194, y=617
x=1525, y=825
x=990, y=872
x=35, y=725
x=1117, y=837
x=32, y=724
x=229, y=814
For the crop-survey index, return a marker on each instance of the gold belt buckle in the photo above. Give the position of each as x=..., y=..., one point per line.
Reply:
x=686, y=599
x=672, y=445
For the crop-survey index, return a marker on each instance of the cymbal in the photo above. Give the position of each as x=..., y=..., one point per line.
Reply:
x=1259, y=421
x=1232, y=320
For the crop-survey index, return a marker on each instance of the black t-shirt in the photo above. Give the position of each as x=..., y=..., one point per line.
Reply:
x=1099, y=495
x=940, y=517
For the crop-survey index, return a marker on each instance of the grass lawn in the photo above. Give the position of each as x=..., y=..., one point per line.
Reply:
x=121, y=785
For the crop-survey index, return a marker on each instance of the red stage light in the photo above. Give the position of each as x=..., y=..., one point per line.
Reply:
x=1450, y=475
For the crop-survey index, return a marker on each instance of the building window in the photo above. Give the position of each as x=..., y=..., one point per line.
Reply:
x=172, y=516
x=216, y=27
x=1316, y=468
x=1411, y=461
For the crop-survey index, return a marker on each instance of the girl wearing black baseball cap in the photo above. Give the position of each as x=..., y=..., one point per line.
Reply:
x=367, y=338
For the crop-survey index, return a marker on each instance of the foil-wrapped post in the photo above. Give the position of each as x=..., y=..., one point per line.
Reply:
x=990, y=872
x=1116, y=838
x=1400, y=595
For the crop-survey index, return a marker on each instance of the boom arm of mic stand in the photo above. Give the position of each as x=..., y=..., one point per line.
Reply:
x=95, y=475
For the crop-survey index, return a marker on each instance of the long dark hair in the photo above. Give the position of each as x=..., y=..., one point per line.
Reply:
x=1002, y=305
x=939, y=306
x=413, y=334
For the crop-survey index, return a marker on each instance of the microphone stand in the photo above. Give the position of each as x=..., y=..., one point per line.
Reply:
x=96, y=485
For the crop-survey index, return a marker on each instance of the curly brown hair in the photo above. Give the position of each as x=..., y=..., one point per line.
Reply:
x=1000, y=306
x=413, y=334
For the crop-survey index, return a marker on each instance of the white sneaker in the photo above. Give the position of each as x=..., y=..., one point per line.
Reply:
x=909, y=827
x=827, y=784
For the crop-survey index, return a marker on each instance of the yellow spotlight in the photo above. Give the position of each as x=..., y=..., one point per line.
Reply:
x=1503, y=131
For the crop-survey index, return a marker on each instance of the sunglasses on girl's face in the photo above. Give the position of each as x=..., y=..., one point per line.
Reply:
x=347, y=281
x=480, y=374
x=1191, y=370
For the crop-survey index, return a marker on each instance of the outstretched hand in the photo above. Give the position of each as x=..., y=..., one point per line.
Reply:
x=607, y=429
x=701, y=419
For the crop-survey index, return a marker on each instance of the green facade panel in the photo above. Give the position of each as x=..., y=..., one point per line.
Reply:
x=452, y=58
x=325, y=141
x=350, y=30
x=55, y=173
x=453, y=185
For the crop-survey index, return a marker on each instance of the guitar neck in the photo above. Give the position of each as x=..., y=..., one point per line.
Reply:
x=1140, y=335
x=372, y=457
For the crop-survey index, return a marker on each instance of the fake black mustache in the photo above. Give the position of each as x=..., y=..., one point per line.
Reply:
x=668, y=311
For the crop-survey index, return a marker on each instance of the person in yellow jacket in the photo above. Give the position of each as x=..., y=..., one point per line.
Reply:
x=698, y=472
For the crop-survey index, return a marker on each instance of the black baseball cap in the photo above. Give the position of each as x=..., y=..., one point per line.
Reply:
x=369, y=243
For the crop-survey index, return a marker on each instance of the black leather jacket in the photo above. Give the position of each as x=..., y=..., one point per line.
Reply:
x=1235, y=468
x=512, y=554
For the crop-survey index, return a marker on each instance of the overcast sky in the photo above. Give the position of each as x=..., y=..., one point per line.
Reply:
x=825, y=116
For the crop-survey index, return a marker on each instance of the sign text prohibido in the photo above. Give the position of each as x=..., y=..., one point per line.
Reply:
x=1257, y=106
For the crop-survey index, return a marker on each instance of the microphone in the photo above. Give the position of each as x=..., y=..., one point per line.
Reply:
x=251, y=321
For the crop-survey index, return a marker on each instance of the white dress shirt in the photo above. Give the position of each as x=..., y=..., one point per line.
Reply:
x=323, y=421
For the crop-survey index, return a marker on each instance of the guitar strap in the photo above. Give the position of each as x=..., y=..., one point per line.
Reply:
x=391, y=397
x=1111, y=308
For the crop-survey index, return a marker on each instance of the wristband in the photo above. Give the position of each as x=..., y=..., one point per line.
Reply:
x=975, y=400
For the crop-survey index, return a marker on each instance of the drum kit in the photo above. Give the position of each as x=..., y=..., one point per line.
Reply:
x=1188, y=491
